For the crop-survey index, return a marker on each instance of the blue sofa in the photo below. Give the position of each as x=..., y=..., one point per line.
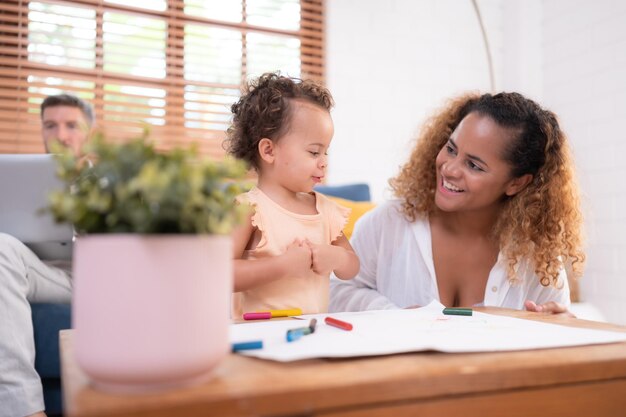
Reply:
x=354, y=192
x=48, y=320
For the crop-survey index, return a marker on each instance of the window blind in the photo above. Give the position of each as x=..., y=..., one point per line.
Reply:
x=172, y=66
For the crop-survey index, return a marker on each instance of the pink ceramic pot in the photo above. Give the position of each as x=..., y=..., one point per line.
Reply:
x=151, y=312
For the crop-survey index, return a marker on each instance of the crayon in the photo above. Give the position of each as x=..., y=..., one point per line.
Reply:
x=264, y=315
x=295, y=334
x=338, y=323
x=312, y=325
x=286, y=313
x=457, y=311
x=257, y=316
x=256, y=344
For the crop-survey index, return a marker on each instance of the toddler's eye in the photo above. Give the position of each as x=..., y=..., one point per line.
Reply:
x=314, y=153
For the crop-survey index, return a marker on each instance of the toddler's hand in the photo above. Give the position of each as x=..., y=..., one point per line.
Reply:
x=323, y=258
x=298, y=258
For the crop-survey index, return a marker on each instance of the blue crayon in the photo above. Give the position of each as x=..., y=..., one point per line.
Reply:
x=257, y=344
x=295, y=334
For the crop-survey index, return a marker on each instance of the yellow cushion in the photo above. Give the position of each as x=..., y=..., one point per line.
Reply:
x=359, y=208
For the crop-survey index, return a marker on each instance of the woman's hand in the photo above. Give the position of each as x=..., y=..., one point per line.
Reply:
x=551, y=307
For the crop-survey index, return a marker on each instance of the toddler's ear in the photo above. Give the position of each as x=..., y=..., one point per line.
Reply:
x=266, y=150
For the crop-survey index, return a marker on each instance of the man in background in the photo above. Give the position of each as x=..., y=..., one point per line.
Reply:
x=67, y=119
x=24, y=278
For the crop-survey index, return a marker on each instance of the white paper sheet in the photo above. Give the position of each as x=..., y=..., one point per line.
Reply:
x=396, y=331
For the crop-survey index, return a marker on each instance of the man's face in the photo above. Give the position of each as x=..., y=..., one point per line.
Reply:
x=66, y=124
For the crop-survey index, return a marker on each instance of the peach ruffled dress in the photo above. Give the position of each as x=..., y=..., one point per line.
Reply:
x=279, y=228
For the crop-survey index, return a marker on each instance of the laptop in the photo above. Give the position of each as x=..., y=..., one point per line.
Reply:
x=25, y=182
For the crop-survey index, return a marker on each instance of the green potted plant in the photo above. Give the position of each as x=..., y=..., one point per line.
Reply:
x=152, y=261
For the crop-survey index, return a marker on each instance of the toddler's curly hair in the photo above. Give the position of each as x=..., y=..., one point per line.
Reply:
x=543, y=222
x=264, y=111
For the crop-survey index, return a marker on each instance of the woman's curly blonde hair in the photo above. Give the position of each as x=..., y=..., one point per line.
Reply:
x=543, y=222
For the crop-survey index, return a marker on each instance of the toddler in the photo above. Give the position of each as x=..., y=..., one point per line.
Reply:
x=292, y=240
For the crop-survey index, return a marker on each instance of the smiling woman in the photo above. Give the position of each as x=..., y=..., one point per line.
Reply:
x=487, y=213
x=471, y=171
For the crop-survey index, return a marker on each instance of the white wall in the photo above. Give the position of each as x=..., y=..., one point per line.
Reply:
x=568, y=55
x=584, y=72
x=522, y=48
x=391, y=63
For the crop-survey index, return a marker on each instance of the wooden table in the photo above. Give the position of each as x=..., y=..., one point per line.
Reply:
x=576, y=381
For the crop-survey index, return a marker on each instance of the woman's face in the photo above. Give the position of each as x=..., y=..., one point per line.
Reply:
x=471, y=172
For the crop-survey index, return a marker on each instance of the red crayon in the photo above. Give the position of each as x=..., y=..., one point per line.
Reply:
x=338, y=323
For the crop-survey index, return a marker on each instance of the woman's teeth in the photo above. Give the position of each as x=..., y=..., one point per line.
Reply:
x=451, y=187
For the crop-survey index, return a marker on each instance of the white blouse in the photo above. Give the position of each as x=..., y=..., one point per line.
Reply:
x=397, y=269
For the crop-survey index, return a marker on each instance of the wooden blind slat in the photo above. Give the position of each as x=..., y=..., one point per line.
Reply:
x=10, y=6
x=125, y=96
